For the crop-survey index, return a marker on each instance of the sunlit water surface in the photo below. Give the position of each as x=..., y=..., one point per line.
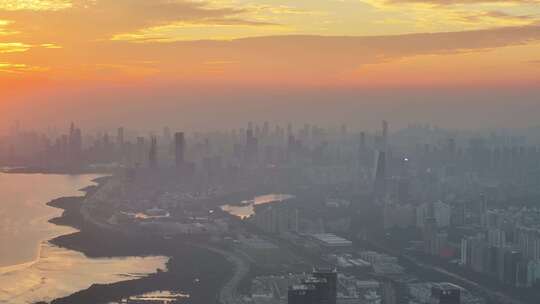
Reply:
x=30, y=268
x=246, y=208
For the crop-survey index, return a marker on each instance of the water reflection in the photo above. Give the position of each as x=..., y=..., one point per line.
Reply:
x=245, y=208
x=163, y=297
x=31, y=269
x=24, y=214
x=60, y=272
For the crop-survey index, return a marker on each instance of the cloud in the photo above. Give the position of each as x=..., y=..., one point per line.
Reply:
x=17, y=68
x=458, y=2
x=475, y=17
x=463, y=2
x=496, y=18
x=34, y=5
x=86, y=20
x=91, y=54
x=13, y=47
x=302, y=59
x=349, y=49
x=212, y=28
x=3, y=28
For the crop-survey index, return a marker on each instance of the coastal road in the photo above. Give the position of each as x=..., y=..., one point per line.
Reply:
x=227, y=294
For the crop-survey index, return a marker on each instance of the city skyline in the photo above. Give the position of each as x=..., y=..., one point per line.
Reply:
x=270, y=151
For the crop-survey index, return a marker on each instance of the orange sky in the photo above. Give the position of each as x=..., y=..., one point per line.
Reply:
x=59, y=44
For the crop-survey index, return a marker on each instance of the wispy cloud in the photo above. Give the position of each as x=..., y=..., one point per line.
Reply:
x=122, y=19
x=202, y=29
x=13, y=47
x=35, y=5
x=17, y=68
x=494, y=18
x=456, y=2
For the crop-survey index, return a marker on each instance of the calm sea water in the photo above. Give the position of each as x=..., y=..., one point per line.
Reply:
x=30, y=268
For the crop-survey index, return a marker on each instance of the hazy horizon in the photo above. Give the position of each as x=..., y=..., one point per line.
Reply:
x=150, y=108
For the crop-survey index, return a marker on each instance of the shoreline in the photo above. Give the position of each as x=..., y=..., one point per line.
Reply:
x=193, y=268
x=53, y=204
x=44, y=170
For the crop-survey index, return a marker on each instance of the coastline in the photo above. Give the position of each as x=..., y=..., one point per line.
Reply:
x=191, y=268
x=50, y=218
x=59, y=170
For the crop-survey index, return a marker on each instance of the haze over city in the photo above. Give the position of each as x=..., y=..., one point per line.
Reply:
x=269, y=152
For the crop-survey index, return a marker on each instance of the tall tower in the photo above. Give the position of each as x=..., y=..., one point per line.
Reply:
x=482, y=210
x=362, y=150
x=179, y=148
x=167, y=135
x=379, y=188
x=152, y=155
x=384, y=135
x=120, y=137
x=251, y=146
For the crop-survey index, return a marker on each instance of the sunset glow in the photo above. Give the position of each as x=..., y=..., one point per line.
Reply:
x=59, y=44
x=176, y=40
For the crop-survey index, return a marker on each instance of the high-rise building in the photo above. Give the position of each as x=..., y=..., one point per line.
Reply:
x=152, y=155
x=179, y=148
x=120, y=138
x=330, y=288
x=384, y=135
x=438, y=210
x=430, y=235
x=482, y=210
x=140, y=151
x=379, y=189
x=167, y=135
x=445, y=293
x=251, y=146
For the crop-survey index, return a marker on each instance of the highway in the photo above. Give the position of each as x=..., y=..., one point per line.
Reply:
x=227, y=294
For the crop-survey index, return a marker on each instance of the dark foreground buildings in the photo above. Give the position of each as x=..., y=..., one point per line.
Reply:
x=320, y=288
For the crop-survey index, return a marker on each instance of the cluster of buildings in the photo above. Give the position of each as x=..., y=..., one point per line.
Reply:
x=153, y=205
x=503, y=244
x=507, y=249
x=440, y=293
x=322, y=285
x=319, y=288
x=276, y=217
x=420, y=186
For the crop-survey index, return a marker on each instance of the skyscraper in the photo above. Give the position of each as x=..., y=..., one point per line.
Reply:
x=251, y=146
x=384, y=135
x=167, y=135
x=445, y=293
x=140, y=150
x=329, y=293
x=120, y=136
x=152, y=155
x=179, y=148
x=482, y=210
x=379, y=189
